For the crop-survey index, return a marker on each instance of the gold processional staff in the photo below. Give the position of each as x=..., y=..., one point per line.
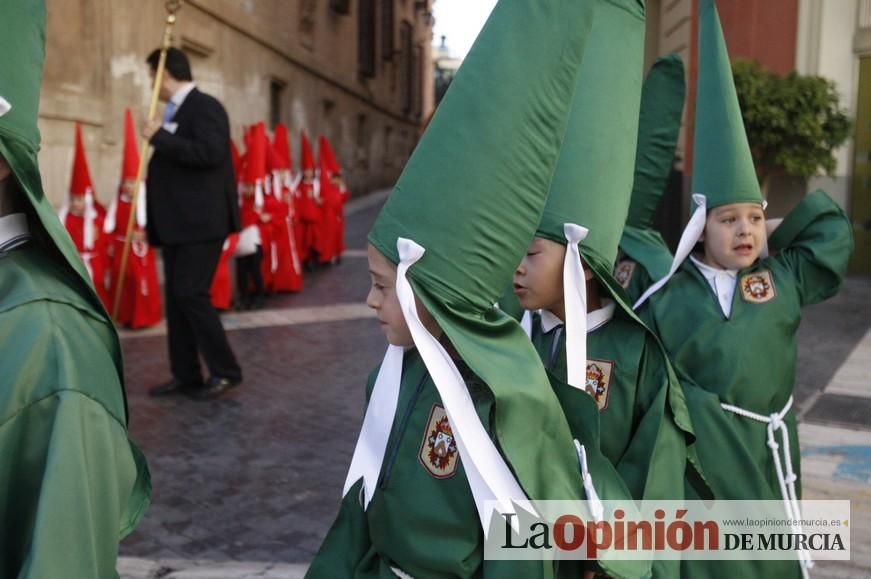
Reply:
x=172, y=7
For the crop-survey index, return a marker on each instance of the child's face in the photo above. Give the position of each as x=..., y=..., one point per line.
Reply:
x=538, y=280
x=383, y=299
x=77, y=204
x=5, y=171
x=308, y=174
x=734, y=235
x=247, y=190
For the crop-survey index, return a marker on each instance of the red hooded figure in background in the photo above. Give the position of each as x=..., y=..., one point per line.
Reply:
x=140, y=304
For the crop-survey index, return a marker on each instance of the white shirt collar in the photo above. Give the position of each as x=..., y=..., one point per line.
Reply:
x=595, y=319
x=549, y=320
x=182, y=93
x=712, y=272
x=722, y=282
x=13, y=231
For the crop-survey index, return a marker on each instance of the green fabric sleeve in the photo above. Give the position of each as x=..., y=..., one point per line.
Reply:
x=67, y=475
x=647, y=247
x=814, y=242
x=346, y=544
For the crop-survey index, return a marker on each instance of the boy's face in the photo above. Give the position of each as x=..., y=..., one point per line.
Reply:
x=734, y=235
x=308, y=174
x=383, y=299
x=5, y=171
x=77, y=204
x=538, y=280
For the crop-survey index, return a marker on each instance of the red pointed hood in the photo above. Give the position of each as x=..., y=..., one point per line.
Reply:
x=308, y=159
x=81, y=183
x=237, y=160
x=326, y=149
x=282, y=146
x=130, y=162
x=255, y=169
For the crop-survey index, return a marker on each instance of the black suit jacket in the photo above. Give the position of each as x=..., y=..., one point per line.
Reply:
x=191, y=187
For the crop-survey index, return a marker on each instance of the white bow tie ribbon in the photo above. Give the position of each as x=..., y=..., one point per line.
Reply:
x=688, y=240
x=575, y=298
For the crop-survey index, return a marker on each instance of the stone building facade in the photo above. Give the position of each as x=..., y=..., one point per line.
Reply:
x=355, y=70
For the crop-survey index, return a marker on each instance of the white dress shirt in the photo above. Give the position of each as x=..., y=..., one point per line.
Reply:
x=722, y=282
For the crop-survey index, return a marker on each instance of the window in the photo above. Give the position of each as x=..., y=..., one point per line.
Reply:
x=388, y=46
x=417, y=81
x=340, y=6
x=366, y=38
x=406, y=65
x=276, y=92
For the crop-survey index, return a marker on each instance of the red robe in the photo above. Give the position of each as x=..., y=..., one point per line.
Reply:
x=286, y=267
x=221, y=291
x=310, y=219
x=140, y=304
x=250, y=215
x=94, y=258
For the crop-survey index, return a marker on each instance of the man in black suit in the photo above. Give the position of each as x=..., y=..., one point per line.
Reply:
x=192, y=207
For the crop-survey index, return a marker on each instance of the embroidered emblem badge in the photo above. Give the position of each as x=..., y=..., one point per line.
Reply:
x=438, y=449
x=758, y=287
x=599, y=373
x=623, y=272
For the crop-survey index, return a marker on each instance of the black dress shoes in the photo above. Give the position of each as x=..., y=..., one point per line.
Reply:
x=174, y=386
x=213, y=388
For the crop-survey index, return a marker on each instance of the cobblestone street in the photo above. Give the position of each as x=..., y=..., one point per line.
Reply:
x=246, y=486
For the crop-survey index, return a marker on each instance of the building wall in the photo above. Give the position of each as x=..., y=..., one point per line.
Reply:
x=827, y=43
x=762, y=29
x=294, y=61
x=670, y=30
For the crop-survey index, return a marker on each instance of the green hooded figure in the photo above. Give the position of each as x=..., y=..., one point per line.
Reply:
x=71, y=482
x=605, y=365
x=460, y=411
x=728, y=315
x=644, y=254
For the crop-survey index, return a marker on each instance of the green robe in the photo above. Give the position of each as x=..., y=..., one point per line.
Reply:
x=644, y=259
x=748, y=359
x=71, y=483
x=637, y=429
x=421, y=520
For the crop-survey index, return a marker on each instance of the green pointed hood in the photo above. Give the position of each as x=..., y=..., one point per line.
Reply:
x=662, y=102
x=473, y=191
x=723, y=168
x=471, y=196
x=22, y=52
x=593, y=179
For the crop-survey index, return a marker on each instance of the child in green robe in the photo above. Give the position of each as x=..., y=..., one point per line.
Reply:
x=728, y=315
x=597, y=352
x=72, y=484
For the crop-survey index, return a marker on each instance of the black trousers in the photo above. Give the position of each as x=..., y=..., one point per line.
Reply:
x=248, y=276
x=192, y=322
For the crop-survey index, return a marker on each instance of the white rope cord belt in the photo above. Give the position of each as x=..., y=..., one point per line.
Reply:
x=787, y=483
